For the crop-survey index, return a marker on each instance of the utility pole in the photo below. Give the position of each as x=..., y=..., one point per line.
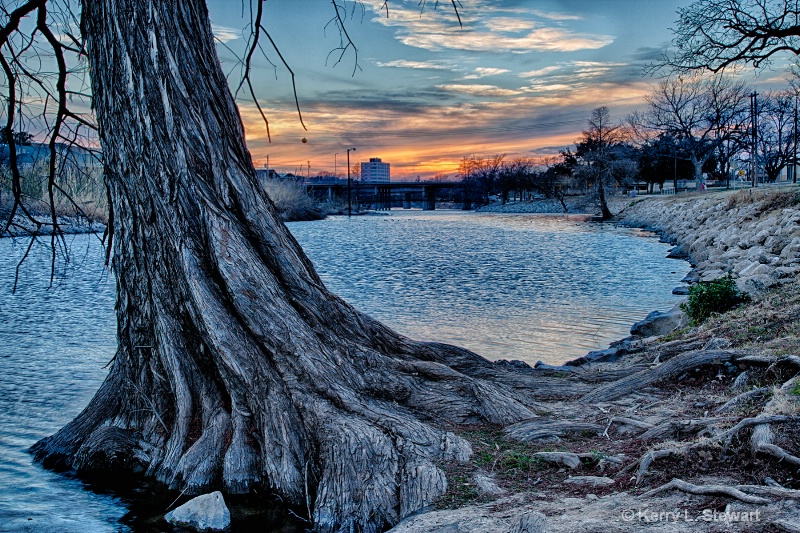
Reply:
x=349, y=206
x=754, y=123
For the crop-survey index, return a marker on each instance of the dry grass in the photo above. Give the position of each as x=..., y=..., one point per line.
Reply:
x=771, y=322
x=768, y=199
x=292, y=201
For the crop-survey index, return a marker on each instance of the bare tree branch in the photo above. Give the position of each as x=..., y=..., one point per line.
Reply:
x=716, y=34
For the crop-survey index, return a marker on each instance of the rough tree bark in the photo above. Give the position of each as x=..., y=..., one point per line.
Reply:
x=236, y=368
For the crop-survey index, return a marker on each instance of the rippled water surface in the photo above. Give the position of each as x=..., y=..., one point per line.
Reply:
x=529, y=287
x=54, y=342
x=516, y=287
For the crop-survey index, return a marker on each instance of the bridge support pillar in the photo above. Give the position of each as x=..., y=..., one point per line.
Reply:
x=428, y=199
x=407, y=200
x=384, y=199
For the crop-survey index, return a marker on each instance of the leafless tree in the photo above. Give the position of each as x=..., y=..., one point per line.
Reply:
x=236, y=368
x=479, y=174
x=715, y=34
x=700, y=112
x=599, y=147
x=776, y=132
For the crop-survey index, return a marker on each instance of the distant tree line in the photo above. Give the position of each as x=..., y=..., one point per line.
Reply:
x=693, y=126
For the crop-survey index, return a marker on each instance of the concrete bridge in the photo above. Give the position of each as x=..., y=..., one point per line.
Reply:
x=383, y=194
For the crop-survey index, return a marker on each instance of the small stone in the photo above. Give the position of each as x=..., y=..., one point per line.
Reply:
x=658, y=323
x=594, y=481
x=532, y=522
x=203, y=513
x=563, y=458
x=486, y=485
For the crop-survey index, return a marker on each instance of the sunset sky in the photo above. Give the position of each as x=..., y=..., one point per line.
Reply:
x=520, y=78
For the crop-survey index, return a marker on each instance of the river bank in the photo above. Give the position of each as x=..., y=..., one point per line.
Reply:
x=694, y=431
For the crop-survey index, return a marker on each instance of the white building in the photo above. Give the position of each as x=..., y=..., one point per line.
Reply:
x=376, y=171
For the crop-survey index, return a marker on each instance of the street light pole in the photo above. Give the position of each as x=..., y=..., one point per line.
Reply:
x=334, y=163
x=349, y=206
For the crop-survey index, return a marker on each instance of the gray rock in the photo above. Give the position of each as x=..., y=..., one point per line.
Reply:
x=544, y=366
x=563, y=458
x=677, y=253
x=486, y=485
x=204, y=513
x=692, y=277
x=683, y=290
x=658, y=323
x=609, y=355
x=756, y=284
x=594, y=481
x=712, y=274
x=531, y=522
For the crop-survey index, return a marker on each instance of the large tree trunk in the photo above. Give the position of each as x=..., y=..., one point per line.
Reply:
x=236, y=368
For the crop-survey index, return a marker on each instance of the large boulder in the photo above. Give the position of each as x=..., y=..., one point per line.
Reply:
x=204, y=513
x=658, y=323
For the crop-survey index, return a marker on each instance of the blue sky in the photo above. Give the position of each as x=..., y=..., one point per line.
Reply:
x=521, y=77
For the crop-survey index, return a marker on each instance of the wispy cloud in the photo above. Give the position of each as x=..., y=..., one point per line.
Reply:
x=544, y=71
x=478, y=90
x=540, y=39
x=225, y=34
x=555, y=15
x=406, y=63
x=436, y=31
x=509, y=24
x=482, y=72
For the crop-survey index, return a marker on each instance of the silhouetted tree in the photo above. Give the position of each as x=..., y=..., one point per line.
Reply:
x=700, y=112
x=600, y=149
x=714, y=34
x=776, y=131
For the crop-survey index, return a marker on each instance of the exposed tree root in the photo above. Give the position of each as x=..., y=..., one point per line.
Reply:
x=546, y=428
x=786, y=526
x=707, y=490
x=625, y=421
x=743, y=399
x=652, y=455
x=771, y=361
x=778, y=492
x=672, y=368
x=675, y=428
x=725, y=437
x=779, y=453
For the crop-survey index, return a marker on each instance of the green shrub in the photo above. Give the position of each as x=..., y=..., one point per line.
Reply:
x=715, y=296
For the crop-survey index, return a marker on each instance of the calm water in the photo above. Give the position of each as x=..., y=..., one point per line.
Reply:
x=529, y=287
x=514, y=287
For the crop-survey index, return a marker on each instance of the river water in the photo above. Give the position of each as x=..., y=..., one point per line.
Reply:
x=529, y=287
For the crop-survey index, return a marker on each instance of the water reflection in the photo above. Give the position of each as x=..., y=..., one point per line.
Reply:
x=529, y=287
x=54, y=342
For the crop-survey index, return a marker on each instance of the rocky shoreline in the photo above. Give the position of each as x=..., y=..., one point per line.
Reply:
x=753, y=234
x=649, y=413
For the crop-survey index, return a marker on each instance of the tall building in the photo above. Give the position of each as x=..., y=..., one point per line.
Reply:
x=376, y=171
